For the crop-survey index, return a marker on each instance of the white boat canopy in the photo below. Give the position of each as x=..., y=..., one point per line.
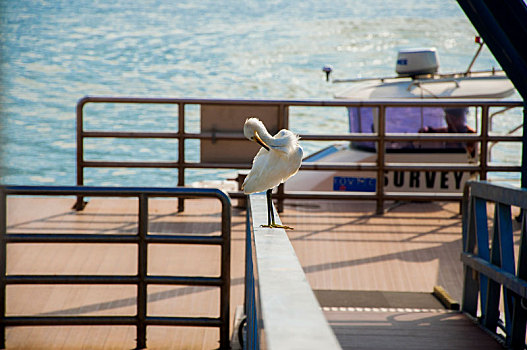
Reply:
x=493, y=86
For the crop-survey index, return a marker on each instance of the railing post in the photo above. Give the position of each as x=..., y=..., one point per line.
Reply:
x=226, y=214
x=470, y=283
x=142, y=270
x=3, y=261
x=484, y=142
x=381, y=131
x=519, y=313
x=283, y=123
x=80, y=204
x=181, y=154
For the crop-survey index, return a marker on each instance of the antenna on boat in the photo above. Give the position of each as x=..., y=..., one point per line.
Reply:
x=327, y=69
x=479, y=41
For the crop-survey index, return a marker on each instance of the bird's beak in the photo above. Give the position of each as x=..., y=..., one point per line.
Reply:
x=259, y=140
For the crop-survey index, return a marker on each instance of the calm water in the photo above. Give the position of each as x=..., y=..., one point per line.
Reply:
x=55, y=52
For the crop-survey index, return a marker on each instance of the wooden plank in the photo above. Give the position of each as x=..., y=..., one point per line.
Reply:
x=407, y=330
x=412, y=247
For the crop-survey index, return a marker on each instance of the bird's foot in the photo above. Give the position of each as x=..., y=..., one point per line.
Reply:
x=278, y=226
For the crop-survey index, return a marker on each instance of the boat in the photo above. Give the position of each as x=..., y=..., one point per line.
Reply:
x=417, y=79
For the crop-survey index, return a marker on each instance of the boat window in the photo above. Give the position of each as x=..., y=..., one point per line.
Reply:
x=398, y=120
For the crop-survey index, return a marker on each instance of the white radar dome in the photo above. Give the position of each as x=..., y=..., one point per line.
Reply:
x=413, y=62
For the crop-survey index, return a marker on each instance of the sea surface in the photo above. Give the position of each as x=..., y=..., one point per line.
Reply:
x=55, y=52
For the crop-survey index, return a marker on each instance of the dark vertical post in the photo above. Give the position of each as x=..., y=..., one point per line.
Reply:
x=3, y=251
x=491, y=318
x=519, y=314
x=79, y=205
x=225, y=272
x=142, y=270
x=283, y=123
x=484, y=143
x=483, y=250
x=470, y=284
x=181, y=154
x=524, y=148
x=247, y=255
x=381, y=131
x=506, y=237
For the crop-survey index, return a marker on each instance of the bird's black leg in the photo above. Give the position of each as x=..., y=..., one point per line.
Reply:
x=270, y=213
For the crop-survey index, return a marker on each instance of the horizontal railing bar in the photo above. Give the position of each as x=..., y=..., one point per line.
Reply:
x=508, y=280
x=130, y=134
x=109, y=321
x=110, y=238
x=70, y=320
x=389, y=137
x=368, y=195
x=337, y=195
x=95, y=191
x=219, y=136
x=502, y=193
x=311, y=102
x=184, y=239
x=113, y=164
x=70, y=238
x=503, y=168
x=424, y=196
x=168, y=165
x=184, y=321
x=185, y=280
x=307, y=166
x=390, y=166
x=71, y=279
x=113, y=279
x=431, y=166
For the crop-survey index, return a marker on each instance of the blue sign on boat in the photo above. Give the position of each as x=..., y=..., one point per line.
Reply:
x=351, y=183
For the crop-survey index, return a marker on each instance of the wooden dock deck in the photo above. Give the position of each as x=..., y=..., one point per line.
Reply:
x=342, y=246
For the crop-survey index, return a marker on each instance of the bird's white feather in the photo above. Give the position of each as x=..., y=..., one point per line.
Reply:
x=270, y=168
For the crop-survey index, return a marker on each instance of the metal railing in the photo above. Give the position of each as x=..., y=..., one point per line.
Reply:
x=490, y=268
x=280, y=306
x=481, y=167
x=142, y=279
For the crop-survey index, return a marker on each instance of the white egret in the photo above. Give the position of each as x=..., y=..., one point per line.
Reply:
x=278, y=159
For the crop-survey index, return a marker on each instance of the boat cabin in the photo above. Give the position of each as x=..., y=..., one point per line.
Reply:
x=410, y=120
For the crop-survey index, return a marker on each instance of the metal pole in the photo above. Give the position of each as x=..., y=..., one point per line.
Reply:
x=247, y=254
x=181, y=153
x=524, y=148
x=142, y=270
x=80, y=204
x=380, y=158
x=3, y=259
x=283, y=123
x=484, y=142
x=225, y=271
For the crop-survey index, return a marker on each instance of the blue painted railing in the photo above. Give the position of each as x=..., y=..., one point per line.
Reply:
x=281, y=309
x=490, y=263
